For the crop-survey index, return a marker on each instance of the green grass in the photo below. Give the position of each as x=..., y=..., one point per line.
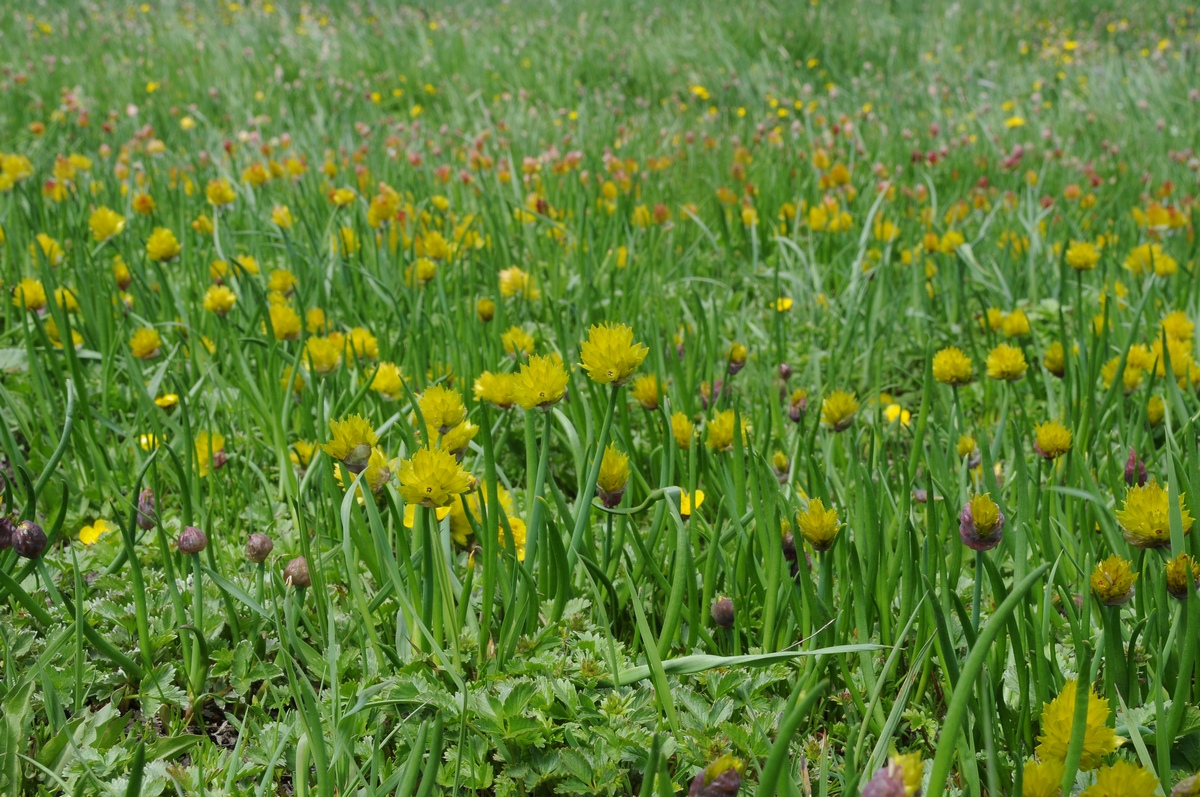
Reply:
x=657, y=165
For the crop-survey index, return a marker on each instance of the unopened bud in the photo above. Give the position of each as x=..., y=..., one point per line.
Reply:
x=722, y=612
x=258, y=548
x=192, y=540
x=28, y=539
x=296, y=573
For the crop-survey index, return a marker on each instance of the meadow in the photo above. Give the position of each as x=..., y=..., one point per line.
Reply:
x=508, y=398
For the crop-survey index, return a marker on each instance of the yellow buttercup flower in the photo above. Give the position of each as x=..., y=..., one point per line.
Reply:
x=1122, y=779
x=609, y=354
x=688, y=503
x=541, y=383
x=432, y=478
x=145, y=343
x=90, y=535
x=818, y=525
x=952, y=367
x=162, y=245
x=352, y=441
x=105, y=223
x=1058, y=718
x=1006, y=362
x=1145, y=517
x=838, y=410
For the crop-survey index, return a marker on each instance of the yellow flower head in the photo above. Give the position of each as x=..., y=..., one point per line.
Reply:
x=30, y=294
x=281, y=217
x=1178, y=583
x=219, y=192
x=719, y=431
x=1054, y=359
x=301, y=453
x=496, y=388
x=162, y=246
x=609, y=354
x=1052, y=439
x=1113, y=580
x=457, y=439
x=1145, y=517
x=1178, y=326
x=1058, y=718
x=285, y=322
x=682, y=429
x=818, y=525
x=1149, y=258
x=966, y=446
x=613, y=476
x=516, y=283
x=1006, y=362
x=363, y=344
x=442, y=408
x=689, y=503
x=645, y=391
x=541, y=383
x=387, y=381
x=485, y=309
x=105, y=223
x=352, y=442
x=50, y=248
x=432, y=478
x=210, y=452
x=517, y=341
x=1082, y=255
x=145, y=343
x=322, y=355
x=1122, y=779
x=838, y=410
x=1042, y=778
x=90, y=535
x=219, y=299
x=952, y=367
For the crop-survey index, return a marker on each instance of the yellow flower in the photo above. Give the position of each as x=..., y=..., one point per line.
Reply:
x=1054, y=359
x=51, y=249
x=410, y=517
x=281, y=217
x=1122, y=779
x=210, y=452
x=609, y=354
x=219, y=192
x=1178, y=326
x=145, y=343
x=1113, y=580
x=1006, y=362
x=952, y=367
x=1144, y=518
x=912, y=770
x=682, y=429
x=645, y=391
x=496, y=388
x=376, y=474
x=363, y=344
x=1052, y=439
x=460, y=526
x=420, y=272
x=162, y=246
x=285, y=322
x=894, y=412
x=485, y=309
x=30, y=294
x=541, y=383
x=838, y=409
x=1042, y=778
x=516, y=282
x=90, y=535
x=219, y=299
x=818, y=525
x=1177, y=575
x=457, y=439
x=321, y=355
x=166, y=401
x=1082, y=255
x=301, y=453
x=387, y=381
x=966, y=446
x=341, y=197
x=345, y=241
x=282, y=281
x=442, y=408
x=432, y=478
x=1058, y=717
x=1015, y=324
x=105, y=223
x=352, y=443
x=719, y=431
x=688, y=503
x=1150, y=257
x=517, y=340
x=613, y=476
x=203, y=225
x=517, y=541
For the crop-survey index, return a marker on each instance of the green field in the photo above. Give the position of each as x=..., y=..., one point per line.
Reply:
x=798, y=398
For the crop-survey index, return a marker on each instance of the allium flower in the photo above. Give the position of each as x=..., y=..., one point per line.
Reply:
x=1145, y=517
x=1188, y=787
x=441, y=408
x=516, y=341
x=485, y=309
x=1122, y=779
x=1150, y=258
x=281, y=217
x=1042, y=778
x=1113, y=580
x=722, y=612
x=29, y=294
x=541, y=383
x=219, y=192
x=1082, y=255
x=219, y=299
x=458, y=439
x=818, y=525
x=1051, y=440
x=105, y=223
x=353, y=440
x=1006, y=362
x=682, y=430
x=145, y=343
x=387, y=381
x=432, y=478
x=1058, y=718
x=952, y=367
x=1178, y=582
x=285, y=322
x=901, y=777
x=210, y=452
x=609, y=354
x=645, y=391
x=720, y=430
x=1054, y=360
x=735, y=356
x=797, y=404
x=496, y=388
x=162, y=246
x=613, y=476
x=516, y=283
x=981, y=523
x=1135, y=469
x=1178, y=326
x=838, y=410
x=721, y=778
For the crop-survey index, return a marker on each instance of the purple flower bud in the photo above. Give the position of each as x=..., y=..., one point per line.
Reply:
x=976, y=538
x=7, y=527
x=888, y=782
x=785, y=371
x=1135, y=470
x=296, y=573
x=147, y=510
x=258, y=548
x=722, y=612
x=28, y=539
x=724, y=785
x=192, y=540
